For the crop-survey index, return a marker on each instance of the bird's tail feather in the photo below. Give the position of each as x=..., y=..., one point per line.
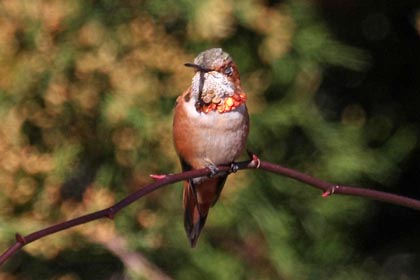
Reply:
x=198, y=198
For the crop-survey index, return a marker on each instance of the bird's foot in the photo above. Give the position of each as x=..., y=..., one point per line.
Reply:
x=234, y=167
x=213, y=169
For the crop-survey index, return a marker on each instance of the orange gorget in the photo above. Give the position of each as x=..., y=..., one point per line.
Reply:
x=223, y=105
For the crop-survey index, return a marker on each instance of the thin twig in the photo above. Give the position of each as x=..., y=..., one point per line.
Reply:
x=329, y=188
x=163, y=180
x=134, y=261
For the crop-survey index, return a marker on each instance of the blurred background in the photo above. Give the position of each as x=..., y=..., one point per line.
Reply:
x=86, y=96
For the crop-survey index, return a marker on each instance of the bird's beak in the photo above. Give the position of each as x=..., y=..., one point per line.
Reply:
x=198, y=67
x=202, y=70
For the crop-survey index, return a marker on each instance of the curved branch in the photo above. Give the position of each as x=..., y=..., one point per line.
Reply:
x=163, y=180
x=330, y=188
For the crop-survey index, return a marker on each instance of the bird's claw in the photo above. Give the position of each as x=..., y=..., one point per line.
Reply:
x=234, y=167
x=213, y=169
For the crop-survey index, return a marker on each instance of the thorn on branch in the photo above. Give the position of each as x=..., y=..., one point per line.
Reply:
x=21, y=239
x=330, y=191
x=158, y=176
x=255, y=161
x=110, y=213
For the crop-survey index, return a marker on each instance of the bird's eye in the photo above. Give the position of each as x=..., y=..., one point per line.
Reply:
x=228, y=70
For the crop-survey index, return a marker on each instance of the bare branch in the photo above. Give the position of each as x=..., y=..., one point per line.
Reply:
x=329, y=188
x=133, y=261
x=163, y=180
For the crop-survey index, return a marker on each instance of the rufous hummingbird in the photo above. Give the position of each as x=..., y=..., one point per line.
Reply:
x=210, y=128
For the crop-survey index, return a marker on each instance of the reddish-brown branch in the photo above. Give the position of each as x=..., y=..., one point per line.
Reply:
x=329, y=188
x=163, y=180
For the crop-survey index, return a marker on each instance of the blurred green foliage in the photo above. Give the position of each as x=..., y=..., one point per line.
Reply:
x=86, y=96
